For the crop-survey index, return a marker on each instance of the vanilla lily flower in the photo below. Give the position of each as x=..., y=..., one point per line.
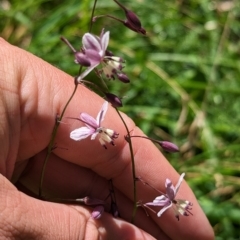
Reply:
x=168, y=200
x=93, y=128
x=94, y=52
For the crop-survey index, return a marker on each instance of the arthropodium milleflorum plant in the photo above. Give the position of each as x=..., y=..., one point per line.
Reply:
x=94, y=56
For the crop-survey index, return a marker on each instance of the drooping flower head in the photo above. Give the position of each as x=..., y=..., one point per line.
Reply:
x=169, y=200
x=94, y=52
x=93, y=128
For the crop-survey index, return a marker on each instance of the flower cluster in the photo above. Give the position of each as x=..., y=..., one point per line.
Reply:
x=95, y=56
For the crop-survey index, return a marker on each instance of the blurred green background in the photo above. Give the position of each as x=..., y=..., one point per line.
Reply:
x=185, y=80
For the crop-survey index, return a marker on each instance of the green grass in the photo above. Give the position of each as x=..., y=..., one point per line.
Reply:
x=185, y=81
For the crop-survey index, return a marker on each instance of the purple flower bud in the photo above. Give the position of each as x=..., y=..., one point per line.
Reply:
x=132, y=27
x=133, y=19
x=133, y=22
x=81, y=59
x=97, y=212
x=114, y=100
x=169, y=146
x=123, y=77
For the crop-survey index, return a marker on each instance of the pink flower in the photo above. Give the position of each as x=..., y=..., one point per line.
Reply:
x=168, y=200
x=94, y=52
x=93, y=128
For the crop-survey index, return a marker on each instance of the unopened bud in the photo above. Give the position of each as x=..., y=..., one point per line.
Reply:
x=133, y=19
x=169, y=146
x=113, y=99
x=123, y=77
x=132, y=27
x=97, y=212
x=81, y=59
x=133, y=22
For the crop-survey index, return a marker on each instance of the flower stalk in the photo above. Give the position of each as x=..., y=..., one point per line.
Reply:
x=52, y=141
x=167, y=146
x=133, y=169
x=58, y=120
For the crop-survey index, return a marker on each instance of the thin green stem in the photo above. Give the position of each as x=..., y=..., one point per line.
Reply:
x=51, y=143
x=91, y=20
x=109, y=16
x=133, y=168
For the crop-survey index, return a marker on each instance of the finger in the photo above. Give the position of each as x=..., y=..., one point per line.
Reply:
x=25, y=217
x=64, y=180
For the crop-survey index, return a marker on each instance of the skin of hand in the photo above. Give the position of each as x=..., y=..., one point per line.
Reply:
x=32, y=94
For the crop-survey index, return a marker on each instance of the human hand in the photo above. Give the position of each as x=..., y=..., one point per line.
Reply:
x=32, y=93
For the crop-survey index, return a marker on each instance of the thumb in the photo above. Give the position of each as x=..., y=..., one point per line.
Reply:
x=23, y=217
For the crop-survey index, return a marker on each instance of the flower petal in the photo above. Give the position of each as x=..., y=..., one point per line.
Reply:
x=82, y=59
x=85, y=73
x=159, y=214
x=93, y=56
x=158, y=204
x=102, y=112
x=89, y=41
x=179, y=183
x=81, y=133
x=89, y=121
x=94, y=135
x=159, y=201
x=160, y=198
x=170, y=190
x=104, y=42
